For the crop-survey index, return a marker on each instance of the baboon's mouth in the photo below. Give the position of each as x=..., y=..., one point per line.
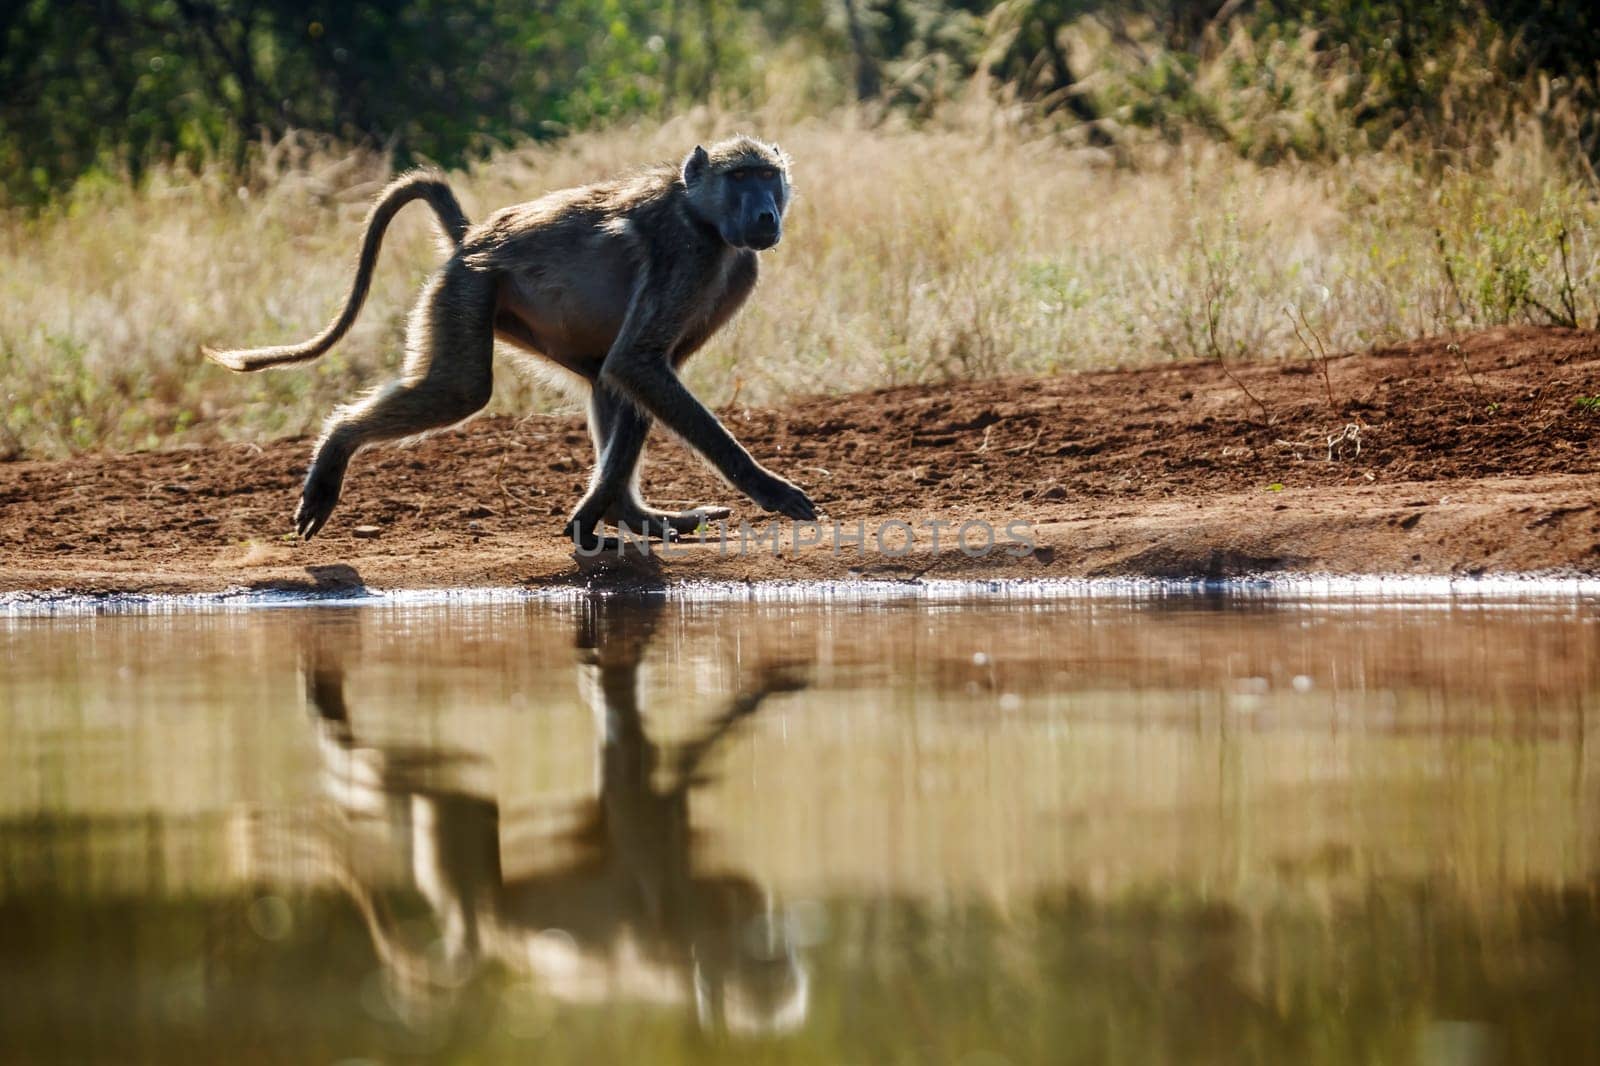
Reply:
x=762, y=241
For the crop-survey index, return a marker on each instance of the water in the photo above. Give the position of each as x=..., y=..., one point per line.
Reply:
x=1142, y=829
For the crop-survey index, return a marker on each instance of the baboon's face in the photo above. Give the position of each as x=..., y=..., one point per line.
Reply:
x=741, y=187
x=754, y=195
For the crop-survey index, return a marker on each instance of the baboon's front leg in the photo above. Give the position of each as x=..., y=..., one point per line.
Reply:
x=638, y=367
x=651, y=383
x=618, y=429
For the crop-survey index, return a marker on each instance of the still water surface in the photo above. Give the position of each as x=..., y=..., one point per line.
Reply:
x=1168, y=829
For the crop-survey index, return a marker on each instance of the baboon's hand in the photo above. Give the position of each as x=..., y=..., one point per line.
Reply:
x=773, y=493
x=317, y=499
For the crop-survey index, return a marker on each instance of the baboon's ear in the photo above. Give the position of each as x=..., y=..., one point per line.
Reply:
x=695, y=165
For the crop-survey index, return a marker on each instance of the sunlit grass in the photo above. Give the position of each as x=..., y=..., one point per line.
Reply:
x=971, y=246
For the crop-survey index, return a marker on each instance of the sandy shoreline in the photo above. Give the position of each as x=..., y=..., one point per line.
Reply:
x=1443, y=461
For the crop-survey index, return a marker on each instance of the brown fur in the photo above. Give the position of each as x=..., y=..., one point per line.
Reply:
x=616, y=283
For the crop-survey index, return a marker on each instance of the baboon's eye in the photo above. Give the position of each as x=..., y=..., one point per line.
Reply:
x=738, y=175
x=768, y=173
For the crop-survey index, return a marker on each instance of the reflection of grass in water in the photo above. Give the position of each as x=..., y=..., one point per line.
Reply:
x=1429, y=742
x=1150, y=978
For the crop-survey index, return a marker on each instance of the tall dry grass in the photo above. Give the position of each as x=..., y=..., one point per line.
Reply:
x=964, y=248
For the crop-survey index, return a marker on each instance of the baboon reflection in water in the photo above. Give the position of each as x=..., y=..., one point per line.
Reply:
x=626, y=916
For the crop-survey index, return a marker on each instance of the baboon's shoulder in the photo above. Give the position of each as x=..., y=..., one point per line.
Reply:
x=636, y=209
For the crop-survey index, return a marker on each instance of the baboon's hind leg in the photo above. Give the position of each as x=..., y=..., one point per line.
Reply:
x=448, y=376
x=619, y=429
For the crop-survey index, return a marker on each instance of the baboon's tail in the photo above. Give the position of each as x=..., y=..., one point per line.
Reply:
x=417, y=185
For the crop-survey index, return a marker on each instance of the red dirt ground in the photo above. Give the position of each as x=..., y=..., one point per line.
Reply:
x=1475, y=455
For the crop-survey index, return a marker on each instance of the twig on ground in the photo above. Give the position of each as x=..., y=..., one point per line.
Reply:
x=1351, y=433
x=1456, y=350
x=1321, y=353
x=1023, y=449
x=1332, y=442
x=1266, y=416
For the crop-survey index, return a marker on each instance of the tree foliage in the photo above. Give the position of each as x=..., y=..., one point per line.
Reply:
x=116, y=84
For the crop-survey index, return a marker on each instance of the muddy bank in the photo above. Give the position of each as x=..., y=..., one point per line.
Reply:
x=1437, y=457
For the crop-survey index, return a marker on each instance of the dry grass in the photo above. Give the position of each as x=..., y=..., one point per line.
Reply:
x=970, y=248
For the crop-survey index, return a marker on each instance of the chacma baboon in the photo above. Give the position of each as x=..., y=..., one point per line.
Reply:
x=616, y=283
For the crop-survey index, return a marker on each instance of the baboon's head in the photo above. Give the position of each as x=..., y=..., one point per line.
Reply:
x=740, y=186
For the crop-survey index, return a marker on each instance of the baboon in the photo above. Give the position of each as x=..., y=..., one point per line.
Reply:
x=615, y=283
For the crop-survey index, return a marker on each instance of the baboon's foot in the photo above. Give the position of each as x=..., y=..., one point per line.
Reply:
x=586, y=537
x=773, y=493
x=640, y=520
x=318, y=497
